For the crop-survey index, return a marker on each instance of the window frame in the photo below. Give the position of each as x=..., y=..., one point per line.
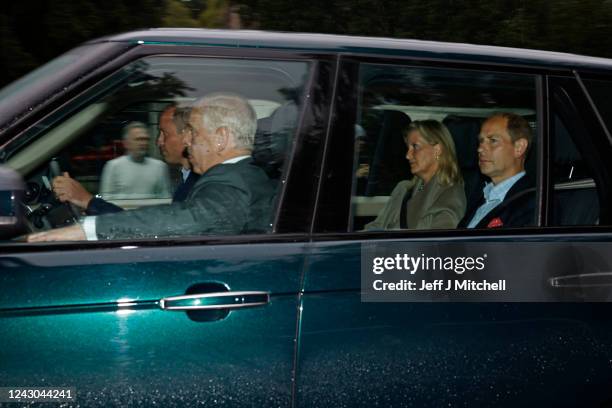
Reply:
x=345, y=113
x=302, y=160
x=582, y=108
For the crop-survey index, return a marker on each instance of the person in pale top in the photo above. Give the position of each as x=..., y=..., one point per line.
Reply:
x=134, y=175
x=232, y=195
x=172, y=121
x=434, y=198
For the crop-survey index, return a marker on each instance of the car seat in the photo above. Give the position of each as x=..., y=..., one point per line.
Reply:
x=388, y=165
x=273, y=138
x=465, y=131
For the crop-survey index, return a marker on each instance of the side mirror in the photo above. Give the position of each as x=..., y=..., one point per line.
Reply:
x=12, y=189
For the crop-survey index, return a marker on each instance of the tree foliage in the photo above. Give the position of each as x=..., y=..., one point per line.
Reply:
x=579, y=26
x=34, y=31
x=177, y=14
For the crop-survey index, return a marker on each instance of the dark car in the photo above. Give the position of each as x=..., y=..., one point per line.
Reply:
x=282, y=318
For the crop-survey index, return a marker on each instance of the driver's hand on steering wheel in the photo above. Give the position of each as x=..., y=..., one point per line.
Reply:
x=68, y=189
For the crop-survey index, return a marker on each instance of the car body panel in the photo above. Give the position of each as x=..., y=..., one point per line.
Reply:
x=363, y=45
x=94, y=322
x=439, y=352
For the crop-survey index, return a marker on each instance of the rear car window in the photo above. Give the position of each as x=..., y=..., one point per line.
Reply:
x=393, y=99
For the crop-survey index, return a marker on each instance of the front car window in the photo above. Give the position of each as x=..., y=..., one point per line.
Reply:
x=108, y=141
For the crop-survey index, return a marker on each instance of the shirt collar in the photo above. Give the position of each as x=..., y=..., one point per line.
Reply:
x=497, y=192
x=236, y=159
x=185, y=173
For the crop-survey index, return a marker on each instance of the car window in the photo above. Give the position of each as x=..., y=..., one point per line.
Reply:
x=395, y=102
x=108, y=141
x=576, y=190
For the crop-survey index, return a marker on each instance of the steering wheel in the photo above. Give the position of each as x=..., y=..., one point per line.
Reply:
x=43, y=210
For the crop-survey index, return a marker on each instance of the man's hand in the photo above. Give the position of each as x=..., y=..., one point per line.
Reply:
x=68, y=189
x=71, y=233
x=363, y=170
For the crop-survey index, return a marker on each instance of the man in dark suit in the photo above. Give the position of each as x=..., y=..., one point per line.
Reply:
x=172, y=121
x=509, y=199
x=232, y=195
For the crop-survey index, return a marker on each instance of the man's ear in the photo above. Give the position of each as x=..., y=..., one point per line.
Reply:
x=520, y=147
x=222, y=139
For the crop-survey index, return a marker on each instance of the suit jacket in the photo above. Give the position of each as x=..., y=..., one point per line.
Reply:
x=437, y=206
x=98, y=206
x=183, y=189
x=232, y=198
x=517, y=209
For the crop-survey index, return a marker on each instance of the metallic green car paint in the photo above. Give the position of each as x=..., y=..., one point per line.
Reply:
x=143, y=274
x=444, y=353
x=108, y=337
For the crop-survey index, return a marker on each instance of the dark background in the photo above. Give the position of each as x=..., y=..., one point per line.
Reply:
x=34, y=31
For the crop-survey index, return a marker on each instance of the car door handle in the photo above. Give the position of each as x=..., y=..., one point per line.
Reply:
x=215, y=301
x=582, y=280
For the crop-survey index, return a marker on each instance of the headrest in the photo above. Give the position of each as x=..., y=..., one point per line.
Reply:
x=273, y=137
x=389, y=165
x=465, y=131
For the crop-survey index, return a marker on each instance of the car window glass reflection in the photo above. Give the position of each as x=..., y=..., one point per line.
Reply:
x=427, y=158
x=171, y=147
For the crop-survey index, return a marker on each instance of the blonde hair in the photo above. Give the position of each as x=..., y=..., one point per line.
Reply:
x=435, y=133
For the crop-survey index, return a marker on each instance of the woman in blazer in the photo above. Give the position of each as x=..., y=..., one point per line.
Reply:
x=434, y=198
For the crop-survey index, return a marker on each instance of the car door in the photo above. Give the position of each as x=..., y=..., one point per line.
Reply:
x=92, y=319
x=173, y=321
x=542, y=342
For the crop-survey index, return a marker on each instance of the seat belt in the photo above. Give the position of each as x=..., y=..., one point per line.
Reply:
x=404, y=210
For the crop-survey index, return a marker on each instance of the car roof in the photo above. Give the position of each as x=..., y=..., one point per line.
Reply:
x=309, y=42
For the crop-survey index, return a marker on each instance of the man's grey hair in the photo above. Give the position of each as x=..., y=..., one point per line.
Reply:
x=133, y=125
x=231, y=111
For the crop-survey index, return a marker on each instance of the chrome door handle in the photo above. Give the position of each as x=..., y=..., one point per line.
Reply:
x=215, y=301
x=582, y=280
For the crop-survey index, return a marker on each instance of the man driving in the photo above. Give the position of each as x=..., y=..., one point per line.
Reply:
x=232, y=196
x=172, y=122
